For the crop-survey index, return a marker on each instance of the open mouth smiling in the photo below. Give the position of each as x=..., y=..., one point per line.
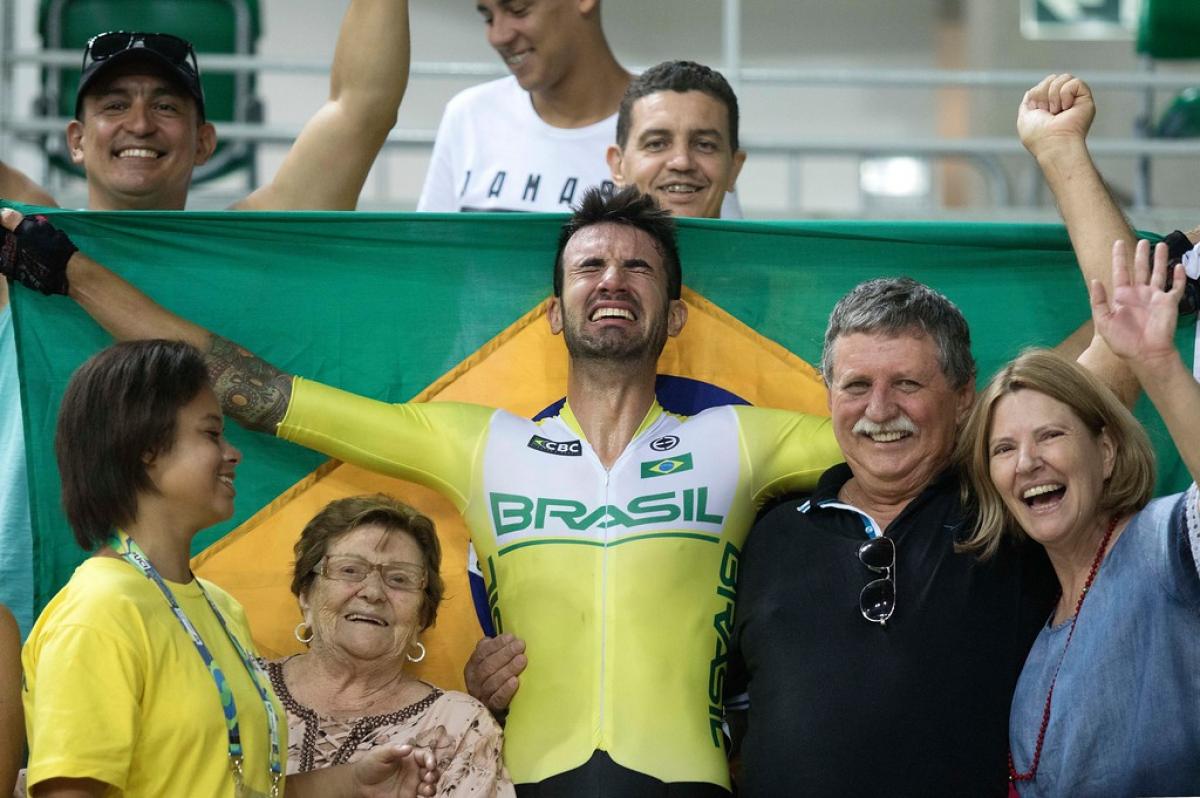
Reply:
x=888, y=437
x=680, y=189
x=612, y=313
x=1045, y=495
x=358, y=617
x=139, y=152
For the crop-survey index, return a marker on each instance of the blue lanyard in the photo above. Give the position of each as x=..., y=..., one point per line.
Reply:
x=132, y=553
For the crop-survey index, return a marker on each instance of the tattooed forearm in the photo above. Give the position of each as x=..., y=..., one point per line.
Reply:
x=251, y=391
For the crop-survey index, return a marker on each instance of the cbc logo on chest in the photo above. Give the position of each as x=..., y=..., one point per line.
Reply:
x=560, y=448
x=664, y=444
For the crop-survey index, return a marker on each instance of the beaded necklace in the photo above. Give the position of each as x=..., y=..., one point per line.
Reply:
x=1031, y=774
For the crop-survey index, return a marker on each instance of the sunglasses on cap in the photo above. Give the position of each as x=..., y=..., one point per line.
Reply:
x=174, y=49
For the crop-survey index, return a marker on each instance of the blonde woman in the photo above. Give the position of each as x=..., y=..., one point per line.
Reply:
x=1106, y=702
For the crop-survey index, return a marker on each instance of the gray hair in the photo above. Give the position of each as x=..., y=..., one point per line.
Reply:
x=895, y=305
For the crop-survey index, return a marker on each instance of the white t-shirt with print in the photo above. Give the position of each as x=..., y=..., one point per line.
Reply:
x=494, y=153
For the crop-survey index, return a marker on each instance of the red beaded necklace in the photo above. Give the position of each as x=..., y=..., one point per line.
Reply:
x=1013, y=775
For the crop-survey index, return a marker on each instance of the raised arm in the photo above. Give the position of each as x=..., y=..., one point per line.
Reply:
x=1053, y=121
x=329, y=161
x=1137, y=318
x=15, y=186
x=252, y=392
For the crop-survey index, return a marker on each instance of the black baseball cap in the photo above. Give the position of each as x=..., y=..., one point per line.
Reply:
x=174, y=55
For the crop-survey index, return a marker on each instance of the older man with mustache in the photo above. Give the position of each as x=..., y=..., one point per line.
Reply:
x=863, y=632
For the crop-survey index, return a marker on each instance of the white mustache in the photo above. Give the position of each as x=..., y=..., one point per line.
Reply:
x=902, y=423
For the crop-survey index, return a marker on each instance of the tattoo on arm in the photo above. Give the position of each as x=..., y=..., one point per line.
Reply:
x=251, y=391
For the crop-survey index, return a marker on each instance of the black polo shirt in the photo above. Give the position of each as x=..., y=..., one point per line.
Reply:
x=840, y=706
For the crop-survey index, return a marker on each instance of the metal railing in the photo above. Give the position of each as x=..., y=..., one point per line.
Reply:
x=981, y=153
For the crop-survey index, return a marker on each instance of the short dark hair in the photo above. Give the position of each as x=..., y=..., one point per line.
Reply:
x=898, y=305
x=631, y=207
x=120, y=406
x=678, y=76
x=342, y=516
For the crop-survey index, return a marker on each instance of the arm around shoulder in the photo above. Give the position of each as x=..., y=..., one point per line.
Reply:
x=789, y=450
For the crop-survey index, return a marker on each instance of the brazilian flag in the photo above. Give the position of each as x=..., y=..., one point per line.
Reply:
x=450, y=307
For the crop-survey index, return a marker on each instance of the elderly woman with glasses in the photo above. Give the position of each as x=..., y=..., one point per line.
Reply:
x=1106, y=702
x=367, y=581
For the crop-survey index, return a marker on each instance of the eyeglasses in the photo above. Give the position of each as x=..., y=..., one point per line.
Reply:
x=176, y=50
x=395, y=575
x=877, y=601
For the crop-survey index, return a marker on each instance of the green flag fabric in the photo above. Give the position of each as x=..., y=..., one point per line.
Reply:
x=384, y=304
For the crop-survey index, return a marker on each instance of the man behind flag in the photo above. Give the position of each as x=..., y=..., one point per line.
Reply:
x=140, y=129
x=609, y=534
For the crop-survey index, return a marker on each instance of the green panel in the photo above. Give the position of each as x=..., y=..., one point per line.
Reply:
x=1169, y=29
x=384, y=304
x=208, y=24
x=1023, y=277
x=1181, y=119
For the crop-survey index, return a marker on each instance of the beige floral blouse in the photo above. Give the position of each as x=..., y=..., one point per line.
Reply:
x=462, y=734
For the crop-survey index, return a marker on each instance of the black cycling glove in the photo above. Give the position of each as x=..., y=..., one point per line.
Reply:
x=36, y=255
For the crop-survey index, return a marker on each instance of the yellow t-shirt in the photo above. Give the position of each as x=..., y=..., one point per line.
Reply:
x=115, y=690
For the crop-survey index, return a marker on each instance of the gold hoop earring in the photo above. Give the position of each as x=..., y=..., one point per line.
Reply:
x=299, y=633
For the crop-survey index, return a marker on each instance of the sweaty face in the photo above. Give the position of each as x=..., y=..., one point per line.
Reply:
x=195, y=476
x=139, y=140
x=614, y=304
x=366, y=620
x=679, y=151
x=535, y=38
x=895, y=414
x=1048, y=467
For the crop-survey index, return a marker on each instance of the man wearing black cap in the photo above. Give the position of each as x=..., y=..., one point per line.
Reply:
x=139, y=127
